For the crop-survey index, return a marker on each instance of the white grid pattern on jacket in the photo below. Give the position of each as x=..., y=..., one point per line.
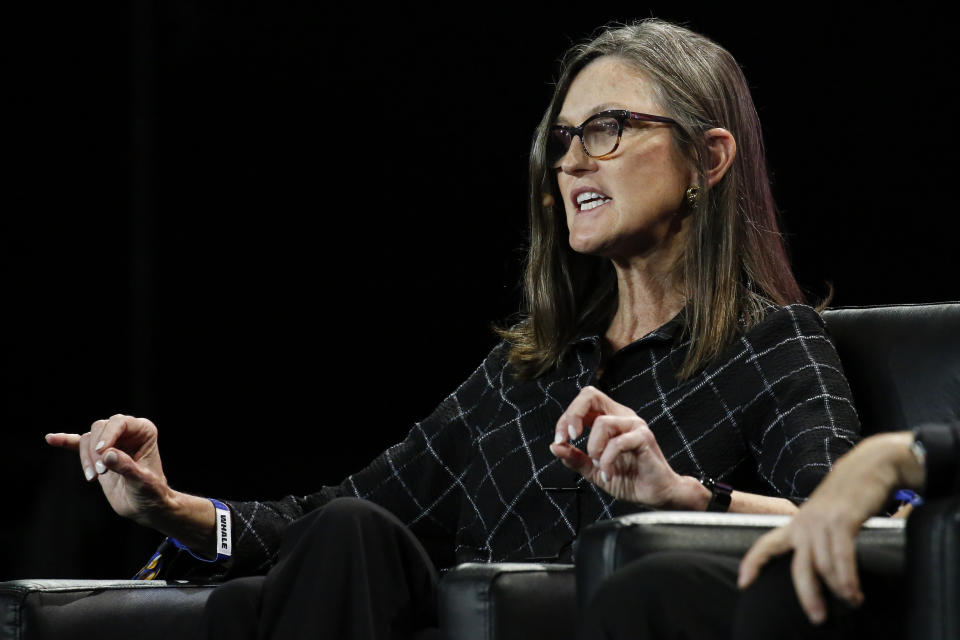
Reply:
x=475, y=481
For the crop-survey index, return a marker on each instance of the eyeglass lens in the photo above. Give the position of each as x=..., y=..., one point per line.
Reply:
x=600, y=137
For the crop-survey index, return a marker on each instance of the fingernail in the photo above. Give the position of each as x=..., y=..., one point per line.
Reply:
x=572, y=432
x=88, y=473
x=595, y=462
x=100, y=468
x=99, y=446
x=557, y=439
x=603, y=476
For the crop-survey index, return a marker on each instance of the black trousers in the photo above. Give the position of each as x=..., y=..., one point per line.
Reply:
x=694, y=596
x=348, y=571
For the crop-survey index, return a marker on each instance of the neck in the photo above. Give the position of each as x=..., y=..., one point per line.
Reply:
x=649, y=294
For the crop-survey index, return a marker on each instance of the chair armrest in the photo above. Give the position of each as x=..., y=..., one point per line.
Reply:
x=933, y=575
x=477, y=601
x=610, y=544
x=522, y=601
x=102, y=609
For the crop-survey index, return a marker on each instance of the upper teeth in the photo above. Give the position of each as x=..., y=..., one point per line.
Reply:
x=598, y=199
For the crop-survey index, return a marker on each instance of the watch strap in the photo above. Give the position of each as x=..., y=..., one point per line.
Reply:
x=719, y=495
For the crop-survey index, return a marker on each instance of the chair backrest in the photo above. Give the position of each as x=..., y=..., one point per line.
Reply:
x=902, y=361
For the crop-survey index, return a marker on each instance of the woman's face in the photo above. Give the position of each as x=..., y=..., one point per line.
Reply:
x=627, y=204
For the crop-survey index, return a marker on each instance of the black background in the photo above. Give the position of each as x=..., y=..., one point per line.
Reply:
x=283, y=233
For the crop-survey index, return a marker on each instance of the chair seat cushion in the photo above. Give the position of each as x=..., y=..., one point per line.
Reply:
x=521, y=601
x=102, y=609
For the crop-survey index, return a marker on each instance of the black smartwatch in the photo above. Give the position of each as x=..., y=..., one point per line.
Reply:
x=719, y=495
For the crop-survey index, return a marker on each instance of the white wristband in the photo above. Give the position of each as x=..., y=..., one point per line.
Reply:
x=224, y=535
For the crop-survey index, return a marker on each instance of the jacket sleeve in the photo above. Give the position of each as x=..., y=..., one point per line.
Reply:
x=420, y=480
x=803, y=418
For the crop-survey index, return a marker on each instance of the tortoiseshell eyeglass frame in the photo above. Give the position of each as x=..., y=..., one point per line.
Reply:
x=620, y=115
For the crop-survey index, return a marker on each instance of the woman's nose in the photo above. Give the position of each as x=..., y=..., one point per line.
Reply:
x=576, y=158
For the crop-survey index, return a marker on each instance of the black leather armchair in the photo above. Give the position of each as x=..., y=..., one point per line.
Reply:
x=903, y=363
x=75, y=609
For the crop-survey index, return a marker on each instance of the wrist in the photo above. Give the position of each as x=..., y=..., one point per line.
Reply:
x=200, y=547
x=190, y=519
x=160, y=509
x=689, y=495
x=896, y=459
x=909, y=460
x=887, y=460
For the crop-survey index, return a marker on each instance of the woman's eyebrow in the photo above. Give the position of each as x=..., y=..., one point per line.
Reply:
x=606, y=106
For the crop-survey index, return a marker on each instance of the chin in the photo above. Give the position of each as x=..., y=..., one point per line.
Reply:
x=589, y=246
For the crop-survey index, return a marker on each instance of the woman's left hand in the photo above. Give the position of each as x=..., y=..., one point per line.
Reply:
x=622, y=455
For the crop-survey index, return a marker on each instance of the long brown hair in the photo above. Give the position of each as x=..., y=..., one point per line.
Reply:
x=734, y=264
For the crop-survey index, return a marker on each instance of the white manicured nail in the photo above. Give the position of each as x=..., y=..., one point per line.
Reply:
x=88, y=473
x=603, y=476
x=572, y=432
x=557, y=439
x=100, y=468
x=100, y=445
x=595, y=462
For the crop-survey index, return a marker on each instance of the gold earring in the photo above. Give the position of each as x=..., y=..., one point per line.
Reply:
x=691, y=195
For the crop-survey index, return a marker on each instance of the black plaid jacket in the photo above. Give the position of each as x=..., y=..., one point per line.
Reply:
x=476, y=481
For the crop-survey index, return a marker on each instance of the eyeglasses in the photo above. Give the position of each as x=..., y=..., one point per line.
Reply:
x=599, y=134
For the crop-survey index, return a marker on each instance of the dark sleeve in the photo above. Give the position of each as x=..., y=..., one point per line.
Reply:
x=411, y=479
x=802, y=417
x=942, y=445
x=257, y=529
x=419, y=480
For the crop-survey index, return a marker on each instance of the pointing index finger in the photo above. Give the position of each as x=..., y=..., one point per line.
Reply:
x=69, y=441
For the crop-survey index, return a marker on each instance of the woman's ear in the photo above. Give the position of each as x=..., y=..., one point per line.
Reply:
x=721, y=149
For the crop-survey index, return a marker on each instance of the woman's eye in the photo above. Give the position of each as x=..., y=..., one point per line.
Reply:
x=603, y=126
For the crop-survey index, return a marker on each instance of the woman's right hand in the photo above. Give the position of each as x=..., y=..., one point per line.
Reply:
x=122, y=454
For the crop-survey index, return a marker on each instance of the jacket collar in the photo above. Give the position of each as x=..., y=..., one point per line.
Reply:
x=667, y=332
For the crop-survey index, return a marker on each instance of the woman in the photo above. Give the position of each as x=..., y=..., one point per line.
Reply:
x=655, y=358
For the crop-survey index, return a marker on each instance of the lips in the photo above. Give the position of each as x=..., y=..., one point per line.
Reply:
x=587, y=199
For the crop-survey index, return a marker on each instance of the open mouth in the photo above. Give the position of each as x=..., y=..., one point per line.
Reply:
x=591, y=200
